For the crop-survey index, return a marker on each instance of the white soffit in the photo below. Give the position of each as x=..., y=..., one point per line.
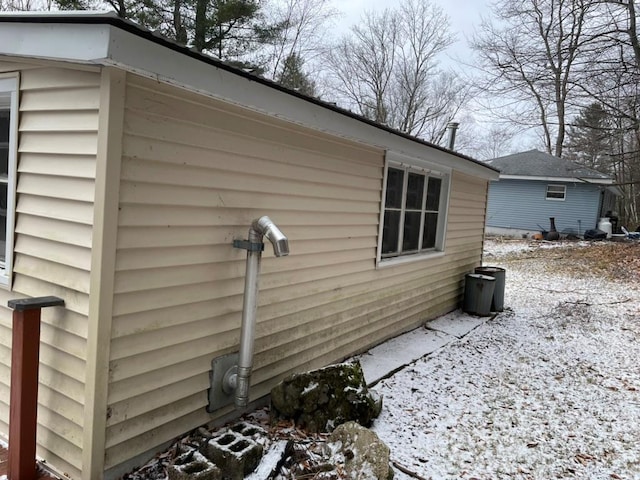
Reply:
x=105, y=44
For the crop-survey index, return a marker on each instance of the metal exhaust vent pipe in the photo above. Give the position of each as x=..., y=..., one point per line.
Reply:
x=452, y=127
x=237, y=377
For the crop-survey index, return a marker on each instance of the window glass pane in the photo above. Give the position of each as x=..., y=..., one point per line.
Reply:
x=390, y=231
x=415, y=188
x=4, y=124
x=430, y=230
x=411, y=231
x=4, y=163
x=555, y=191
x=395, y=180
x=5, y=137
x=3, y=221
x=4, y=142
x=433, y=194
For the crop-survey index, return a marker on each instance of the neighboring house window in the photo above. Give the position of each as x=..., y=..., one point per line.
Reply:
x=556, y=192
x=415, y=200
x=8, y=150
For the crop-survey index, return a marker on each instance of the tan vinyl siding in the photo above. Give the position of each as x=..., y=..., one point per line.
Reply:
x=195, y=173
x=56, y=168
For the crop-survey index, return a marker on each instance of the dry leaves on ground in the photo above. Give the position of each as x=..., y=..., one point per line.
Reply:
x=612, y=260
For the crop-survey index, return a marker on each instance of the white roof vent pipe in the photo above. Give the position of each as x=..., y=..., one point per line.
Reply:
x=452, y=127
x=238, y=376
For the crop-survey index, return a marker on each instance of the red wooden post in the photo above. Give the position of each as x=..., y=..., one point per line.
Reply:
x=25, y=354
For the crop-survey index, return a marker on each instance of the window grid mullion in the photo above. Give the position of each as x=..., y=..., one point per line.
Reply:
x=422, y=211
x=403, y=207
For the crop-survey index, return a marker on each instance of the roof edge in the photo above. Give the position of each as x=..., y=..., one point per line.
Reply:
x=111, y=19
x=591, y=180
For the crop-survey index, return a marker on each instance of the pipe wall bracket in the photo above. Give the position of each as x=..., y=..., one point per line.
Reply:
x=219, y=394
x=247, y=245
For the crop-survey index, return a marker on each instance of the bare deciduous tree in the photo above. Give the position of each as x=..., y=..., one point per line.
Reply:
x=531, y=55
x=24, y=5
x=301, y=32
x=612, y=79
x=487, y=143
x=363, y=64
x=387, y=70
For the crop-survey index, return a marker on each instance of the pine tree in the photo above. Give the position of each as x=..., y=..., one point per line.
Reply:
x=589, y=138
x=292, y=76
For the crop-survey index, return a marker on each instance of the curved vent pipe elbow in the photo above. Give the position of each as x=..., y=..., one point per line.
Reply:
x=266, y=227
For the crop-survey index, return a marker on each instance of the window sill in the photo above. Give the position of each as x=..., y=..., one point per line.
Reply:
x=401, y=260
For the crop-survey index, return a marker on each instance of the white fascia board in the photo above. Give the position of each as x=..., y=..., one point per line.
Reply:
x=108, y=45
x=599, y=181
x=50, y=41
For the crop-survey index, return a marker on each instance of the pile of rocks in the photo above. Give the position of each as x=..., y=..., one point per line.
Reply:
x=315, y=427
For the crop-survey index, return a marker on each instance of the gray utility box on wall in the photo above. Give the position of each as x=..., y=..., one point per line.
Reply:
x=497, y=304
x=478, y=294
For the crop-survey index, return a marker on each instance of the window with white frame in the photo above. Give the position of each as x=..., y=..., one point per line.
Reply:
x=556, y=192
x=8, y=149
x=415, y=201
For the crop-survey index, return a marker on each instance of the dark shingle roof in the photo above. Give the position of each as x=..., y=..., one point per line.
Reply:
x=534, y=163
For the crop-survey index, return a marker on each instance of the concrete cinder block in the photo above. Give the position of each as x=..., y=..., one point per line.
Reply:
x=236, y=454
x=192, y=465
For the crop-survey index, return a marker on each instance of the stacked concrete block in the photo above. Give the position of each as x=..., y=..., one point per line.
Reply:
x=192, y=465
x=234, y=451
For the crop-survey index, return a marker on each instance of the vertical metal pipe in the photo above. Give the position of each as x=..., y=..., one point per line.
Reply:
x=259, y=228
x=248, y=327
x=452, y=127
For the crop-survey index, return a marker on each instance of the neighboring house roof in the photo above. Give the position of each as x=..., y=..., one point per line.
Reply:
x=537, y=165
x=104, y=39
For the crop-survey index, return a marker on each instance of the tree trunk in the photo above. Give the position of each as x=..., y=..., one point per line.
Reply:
x=200, y=31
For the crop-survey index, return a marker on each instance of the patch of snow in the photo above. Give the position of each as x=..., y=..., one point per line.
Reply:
x=548, y=389
x=457, y=324
x=400, y=351
x=269, y=461
x=501, y=248
x=505, y=247
x=310, y=388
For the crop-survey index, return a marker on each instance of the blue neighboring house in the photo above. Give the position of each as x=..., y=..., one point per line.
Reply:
x=535, y=186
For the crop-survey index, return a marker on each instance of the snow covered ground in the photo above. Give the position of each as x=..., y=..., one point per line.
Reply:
x=548, y=389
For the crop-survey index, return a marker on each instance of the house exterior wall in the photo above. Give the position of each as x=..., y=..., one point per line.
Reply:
x=195, y=173
x=58, y=124
x=521, y=205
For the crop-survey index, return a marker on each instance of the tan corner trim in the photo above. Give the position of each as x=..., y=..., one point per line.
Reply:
x=103, y=258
